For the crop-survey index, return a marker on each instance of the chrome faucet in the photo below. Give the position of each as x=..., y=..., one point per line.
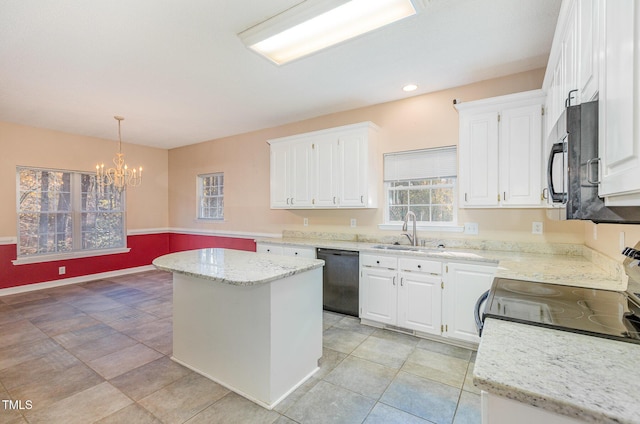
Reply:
x=412, y=238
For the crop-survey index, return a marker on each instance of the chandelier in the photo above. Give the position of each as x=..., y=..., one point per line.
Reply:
x=121, y=176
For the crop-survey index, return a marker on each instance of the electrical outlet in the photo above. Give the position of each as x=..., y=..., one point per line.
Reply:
x=305, y=222
x=62, y=270
x=353, y=222
x=471, y=228
x=536, y=228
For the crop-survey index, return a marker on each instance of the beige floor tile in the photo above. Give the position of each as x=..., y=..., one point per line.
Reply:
x=150, y=330
x=87, y=406
x=436, y=366
x=55, y=386
x=149, y=378
x=17, y=354
x=95, y=303
x=9, y=314
x=468, y=381
x=117, y=363
x=124, y=317
x=384, y=351
x=16, y=332
x=32, y=371
x=84, y=335
x=184, y=398
x=234, y=409
x=24, y=297
x=101, y=347
x=132, y=414
x=53, y=328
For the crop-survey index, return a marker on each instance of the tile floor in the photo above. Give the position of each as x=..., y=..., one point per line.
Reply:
x=100, y=352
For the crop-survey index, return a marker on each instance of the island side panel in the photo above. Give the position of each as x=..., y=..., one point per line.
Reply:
x=223, y=332
x=296, y=328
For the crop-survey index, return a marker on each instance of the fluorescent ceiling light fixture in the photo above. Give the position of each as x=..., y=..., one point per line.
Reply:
x=317, y=24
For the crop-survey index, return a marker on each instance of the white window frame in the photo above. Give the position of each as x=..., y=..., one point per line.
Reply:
x=201, y=197
x=420, y=165
x=76, y=212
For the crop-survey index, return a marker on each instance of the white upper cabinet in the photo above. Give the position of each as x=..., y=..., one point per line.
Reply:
x=501, y=151
x=291, y=170
x=334, y=168
x=588, y=49
x=619, y=108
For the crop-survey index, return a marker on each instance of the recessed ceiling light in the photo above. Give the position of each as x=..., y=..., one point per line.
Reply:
x=316, y=24
x=410, y=87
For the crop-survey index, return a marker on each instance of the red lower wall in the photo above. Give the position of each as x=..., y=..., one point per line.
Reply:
x=144, y=249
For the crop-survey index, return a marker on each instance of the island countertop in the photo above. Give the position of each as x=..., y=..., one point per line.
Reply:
x=590, y=378
x=235, y=267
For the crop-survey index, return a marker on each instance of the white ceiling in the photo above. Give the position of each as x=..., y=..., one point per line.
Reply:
x=176, y=70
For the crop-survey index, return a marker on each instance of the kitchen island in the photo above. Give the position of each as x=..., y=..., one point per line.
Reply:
x=248, y=321
x=543, y=375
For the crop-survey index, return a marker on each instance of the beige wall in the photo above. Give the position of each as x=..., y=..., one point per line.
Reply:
x=413, y=123
x=147, y=205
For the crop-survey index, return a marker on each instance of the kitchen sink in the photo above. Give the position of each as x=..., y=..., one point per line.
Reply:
x=403, y=248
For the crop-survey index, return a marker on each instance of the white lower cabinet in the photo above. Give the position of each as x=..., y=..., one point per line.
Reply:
x=416, y=294
x=401, y=292
x=277, y=249
x=464, y=283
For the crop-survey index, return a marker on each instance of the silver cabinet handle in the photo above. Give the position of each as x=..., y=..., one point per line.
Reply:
x=362, y=199
x=504, y=196
x=465, y=197
x=288, y=200
x=401, y=282
x=394, y=281
x=292, y=200
x=590, y=163
x=334, y=200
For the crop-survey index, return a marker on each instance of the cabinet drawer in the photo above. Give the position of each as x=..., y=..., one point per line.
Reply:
x=300, y=252
x=269, y=248
x=420, y=265
x=379, y=261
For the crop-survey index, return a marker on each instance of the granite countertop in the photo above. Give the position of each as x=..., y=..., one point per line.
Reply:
x=235, y=267
x=575, y=269
x=589, y=378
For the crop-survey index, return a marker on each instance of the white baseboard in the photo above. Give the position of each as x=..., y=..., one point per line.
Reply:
x=74, y=280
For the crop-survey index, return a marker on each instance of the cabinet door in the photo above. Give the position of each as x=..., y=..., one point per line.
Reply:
x=521, y=156
x=479, y=159
x=269, y=248
x=588, y=48
x=301, y=174
x=464, y=285
x=354, y=160
x=619, y=120
x=420, y=302
x=280, y=157
x=378, y=295
x=326, y=172
x=569, y=57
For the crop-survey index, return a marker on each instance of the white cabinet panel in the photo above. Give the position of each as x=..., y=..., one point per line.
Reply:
x=588, y=49
x=326, y=169
x=420, y=302
x=300, y=252
x=479, y=159
x=619, y=120
x=354, y=160
x=274, y=249
x=521, y=155
x=463, y=286
x=378, y=295
x=501, y=151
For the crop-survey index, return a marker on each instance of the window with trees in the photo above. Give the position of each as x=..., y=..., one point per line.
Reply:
x=63, y=212
x=423, y=182
x=211, y=196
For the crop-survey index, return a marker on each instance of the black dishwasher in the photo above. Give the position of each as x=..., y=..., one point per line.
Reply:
x=340, y=280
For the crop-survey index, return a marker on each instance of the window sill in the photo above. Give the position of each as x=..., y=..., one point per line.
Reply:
x=428, y=228
x=66, y=256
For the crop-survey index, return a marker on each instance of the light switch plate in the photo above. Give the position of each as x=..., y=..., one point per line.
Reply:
x=471, y=228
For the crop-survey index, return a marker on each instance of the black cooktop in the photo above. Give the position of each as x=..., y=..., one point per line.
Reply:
x=602, y=313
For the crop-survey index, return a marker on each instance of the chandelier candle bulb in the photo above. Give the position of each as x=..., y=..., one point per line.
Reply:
x=121, y=176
